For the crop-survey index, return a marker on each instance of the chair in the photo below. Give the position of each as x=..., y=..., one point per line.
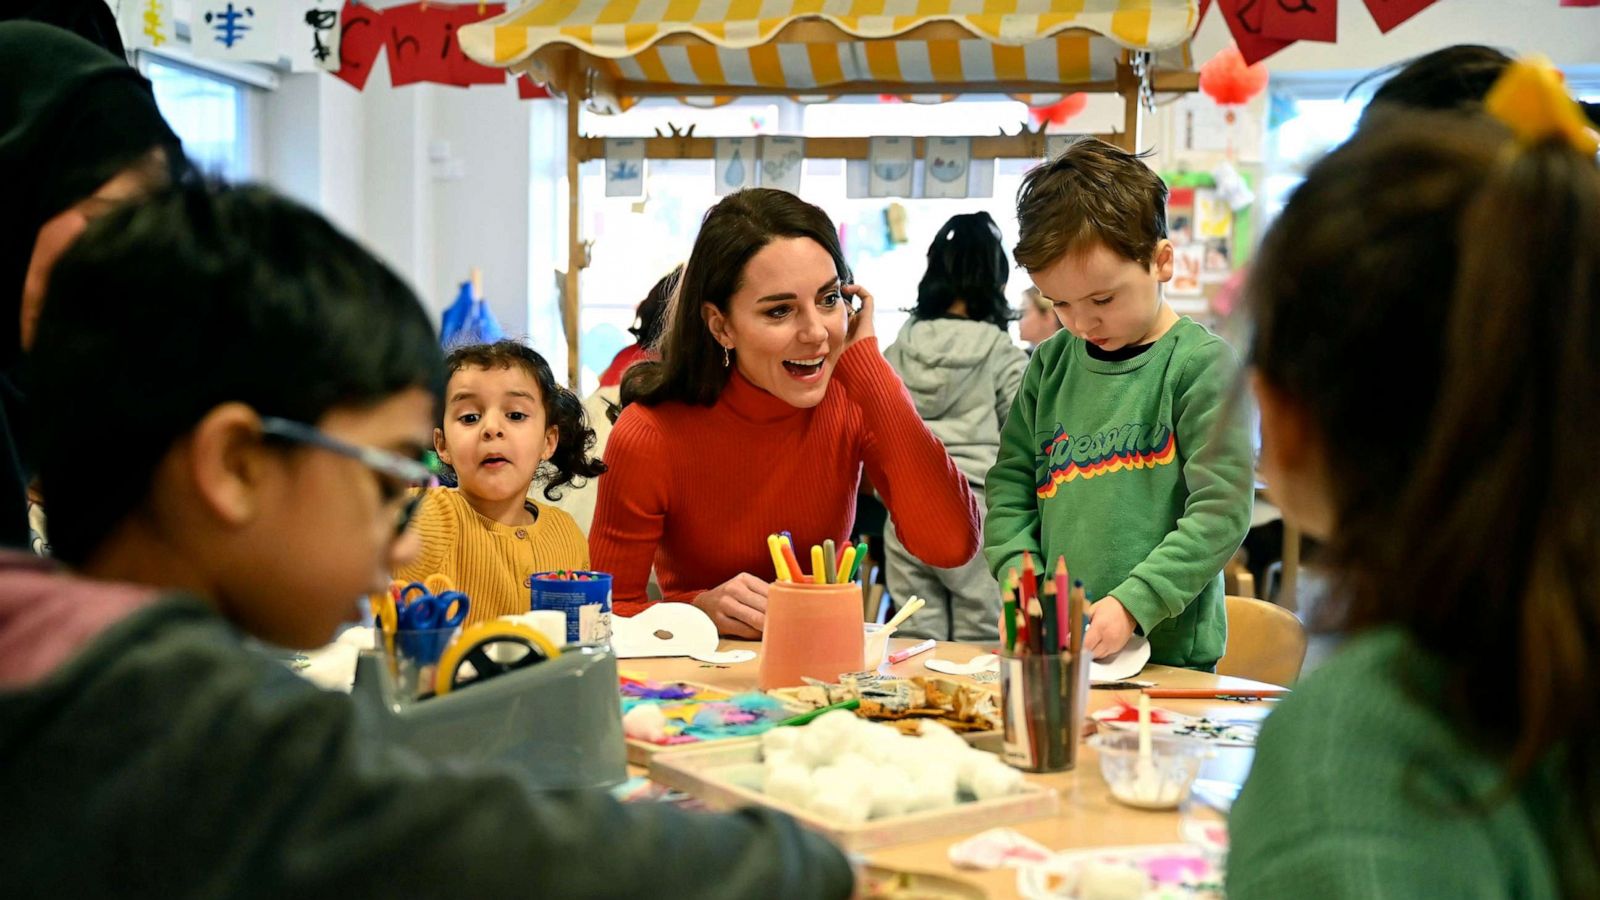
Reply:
x=1265, y=642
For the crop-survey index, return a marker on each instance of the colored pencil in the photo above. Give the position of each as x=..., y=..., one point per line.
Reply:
x=789, y=559
x=1215, y=693
x=779, y=567
x=1035, y=626
x=829, y=563
x=818, y=573
x=1075, y=615
x=1030, y=580
x=1051, y=622
x=1063, y=602
x=1008, y=618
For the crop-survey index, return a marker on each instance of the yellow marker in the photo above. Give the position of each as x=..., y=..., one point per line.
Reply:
x=845, y=562
x=818, y=573
x=778, y=565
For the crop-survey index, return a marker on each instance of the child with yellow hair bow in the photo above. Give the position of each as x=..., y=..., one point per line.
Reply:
x=1427, y=329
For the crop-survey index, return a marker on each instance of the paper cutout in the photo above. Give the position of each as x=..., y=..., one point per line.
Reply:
x=624, y=167
x=146, y=23
x=1244, y=22
x=464, y=70
x=1301, y=20
x=782, y=159
x=313, y=37
x=1118, y=667
x=735, y=167
x=946, y=166
x=889, y=167
x=1167, y=870
x=361, y=37
x=1056, y=144
x=1392, y=13
x=242, y=31
x=414, y=37
x=689, y=632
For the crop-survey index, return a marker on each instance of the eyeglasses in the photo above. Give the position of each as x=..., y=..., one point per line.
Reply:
x=396, y=474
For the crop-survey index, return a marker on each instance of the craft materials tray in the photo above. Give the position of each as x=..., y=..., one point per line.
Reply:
x=641, y=751
x=728, y=776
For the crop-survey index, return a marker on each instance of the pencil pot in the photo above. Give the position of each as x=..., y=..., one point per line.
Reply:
x=583, y=597
x=1042, y=698
x=413, y=655
x=813, y=631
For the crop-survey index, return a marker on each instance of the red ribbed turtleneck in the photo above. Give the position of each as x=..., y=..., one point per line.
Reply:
x=696, y=490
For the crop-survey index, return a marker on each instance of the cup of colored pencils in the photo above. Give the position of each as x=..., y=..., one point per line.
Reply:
x=1044, y=674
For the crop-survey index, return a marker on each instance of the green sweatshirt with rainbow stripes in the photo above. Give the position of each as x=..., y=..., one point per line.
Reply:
x=1138, y=471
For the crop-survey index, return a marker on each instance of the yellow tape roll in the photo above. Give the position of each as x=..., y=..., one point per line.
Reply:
x=475, y=642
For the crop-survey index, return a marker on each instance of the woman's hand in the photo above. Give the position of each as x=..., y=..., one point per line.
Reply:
x=860, y=327
x=738, y=606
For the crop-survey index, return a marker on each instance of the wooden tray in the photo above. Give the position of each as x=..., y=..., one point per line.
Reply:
x=714, y=776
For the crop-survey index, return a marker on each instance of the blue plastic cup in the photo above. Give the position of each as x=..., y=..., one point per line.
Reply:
x=586, y=602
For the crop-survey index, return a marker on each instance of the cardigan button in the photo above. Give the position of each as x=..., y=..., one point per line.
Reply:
x=528, y=582
x=522, y=534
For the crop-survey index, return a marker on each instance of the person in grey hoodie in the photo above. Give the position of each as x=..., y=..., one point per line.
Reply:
x=957, y=360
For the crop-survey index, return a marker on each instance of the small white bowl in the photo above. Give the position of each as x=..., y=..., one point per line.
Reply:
x=1174, y=763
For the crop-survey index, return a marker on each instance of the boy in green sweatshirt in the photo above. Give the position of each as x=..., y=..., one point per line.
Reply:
x=1124, y=452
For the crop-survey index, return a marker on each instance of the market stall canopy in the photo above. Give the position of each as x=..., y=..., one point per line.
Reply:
x=619, y=51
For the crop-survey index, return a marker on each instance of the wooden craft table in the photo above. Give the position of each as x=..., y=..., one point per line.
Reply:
x=1089, y=817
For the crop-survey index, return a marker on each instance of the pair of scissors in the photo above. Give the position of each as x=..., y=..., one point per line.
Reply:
x=430, y=612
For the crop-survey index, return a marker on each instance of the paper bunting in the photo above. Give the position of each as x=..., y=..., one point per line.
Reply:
x=1391, y=13
x=946, y=166
x=146, y=24
x=781, y=161
x=736, y=164
x=360, y=40
x=243, y=31
x=889, y=167
x=1244, y=18
x=1301, y=20
x=624, y=167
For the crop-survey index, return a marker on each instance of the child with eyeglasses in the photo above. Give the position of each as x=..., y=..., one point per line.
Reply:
x=507, y=427
x=270, y=387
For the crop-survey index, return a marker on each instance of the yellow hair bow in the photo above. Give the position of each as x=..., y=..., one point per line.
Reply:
x=1531, y=98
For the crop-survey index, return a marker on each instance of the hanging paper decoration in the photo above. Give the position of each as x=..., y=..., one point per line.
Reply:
x=946, y=166
x=1391, y=13
x=1226, y=78
x=312, y=41
x=782, y=157
x=889, y=162
x=360, y=40
x=624, y=167
x=244, y=31
x=735, y=164
x=1059, y=112
x=528, y=89
x=1301, y=20
x=145, y=24
x=1244, y=18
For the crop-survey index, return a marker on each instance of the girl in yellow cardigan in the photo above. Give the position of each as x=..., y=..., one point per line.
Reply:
x=507, y=425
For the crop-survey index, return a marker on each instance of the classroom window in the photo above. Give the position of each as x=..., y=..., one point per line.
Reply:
x=209, y=114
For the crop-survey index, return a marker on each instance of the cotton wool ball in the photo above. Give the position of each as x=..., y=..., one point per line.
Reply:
x=779, y=739
x=645, y=722
x=995, y=779
x=779, y=758
x=940, y=735
x=883, y=744
x=890, y=793
x=932, y=788
x=841, y=806
x=790, y=784
x=853, y=778
x=816, y=746
x=967, y=765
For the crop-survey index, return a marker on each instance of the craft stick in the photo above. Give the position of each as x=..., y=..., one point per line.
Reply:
x=818, y=573
x=900, y=656
x=779, y=567
x=1215, y=693
x=829, y=563
x=912, y=605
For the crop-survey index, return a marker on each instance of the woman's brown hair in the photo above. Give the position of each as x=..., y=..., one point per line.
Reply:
x=1431, y=297
x=691, y=368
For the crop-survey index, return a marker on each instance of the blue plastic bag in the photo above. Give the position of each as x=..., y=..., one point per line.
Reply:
x=469, y=321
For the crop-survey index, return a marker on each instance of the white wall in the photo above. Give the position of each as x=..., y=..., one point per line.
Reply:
x=366, y=160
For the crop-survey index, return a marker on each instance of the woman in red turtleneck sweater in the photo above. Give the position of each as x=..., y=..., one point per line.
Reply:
x=769, y=398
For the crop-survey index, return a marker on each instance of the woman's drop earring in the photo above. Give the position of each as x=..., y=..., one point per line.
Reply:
x=726, y=359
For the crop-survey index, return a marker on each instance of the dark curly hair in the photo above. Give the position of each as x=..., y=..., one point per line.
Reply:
x=562, y=409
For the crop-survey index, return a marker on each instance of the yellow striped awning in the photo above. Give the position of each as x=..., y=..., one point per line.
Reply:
x=630, y=48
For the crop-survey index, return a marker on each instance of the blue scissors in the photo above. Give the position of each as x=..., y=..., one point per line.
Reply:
x=429, y=612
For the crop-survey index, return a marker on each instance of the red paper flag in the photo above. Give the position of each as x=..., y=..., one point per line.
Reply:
x=1389, y=13
x=1244, y=21
x=415, y=37
x=1301, y=20
x=1205, y=5
x=1580, y=2
x=360, y=39
x=463, y=70
x=527, y=90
